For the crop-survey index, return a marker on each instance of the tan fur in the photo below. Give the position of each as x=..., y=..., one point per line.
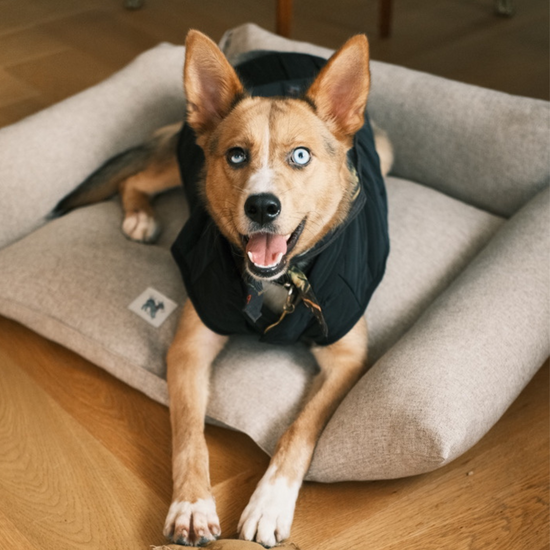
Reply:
x=269, y=129
x=317, y=196
x=137, y=190
x=324, y=187
x=211, y=84
x=189, y=360
x=339, y=95
x=321, y=194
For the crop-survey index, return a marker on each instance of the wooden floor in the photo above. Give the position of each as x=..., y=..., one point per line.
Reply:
x=85, y=463
x=85, y=460
x=50, y=49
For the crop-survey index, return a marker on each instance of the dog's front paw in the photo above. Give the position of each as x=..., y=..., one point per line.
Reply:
x=268, y=517
x=140, y=227
x=192, y=524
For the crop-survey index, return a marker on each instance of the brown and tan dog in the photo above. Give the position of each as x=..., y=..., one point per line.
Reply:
x=292, y=149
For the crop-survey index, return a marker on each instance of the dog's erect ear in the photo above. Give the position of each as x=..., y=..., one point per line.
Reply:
x=211, y=83
x=340, y=90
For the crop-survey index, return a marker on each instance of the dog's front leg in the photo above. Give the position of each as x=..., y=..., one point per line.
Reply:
x=192, y=518
x=268, y=517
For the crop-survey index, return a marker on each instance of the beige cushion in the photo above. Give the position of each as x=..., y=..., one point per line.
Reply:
x=444, y=384
x=457, y=327
x=73, y=280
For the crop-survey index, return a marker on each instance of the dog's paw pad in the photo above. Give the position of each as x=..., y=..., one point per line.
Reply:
x=140, y=227
x=268, y=517
x=192, y=524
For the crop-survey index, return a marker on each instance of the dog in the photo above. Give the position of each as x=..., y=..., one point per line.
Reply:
x=287, y=239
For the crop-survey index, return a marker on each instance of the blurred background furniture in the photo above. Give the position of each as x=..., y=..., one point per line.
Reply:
x=385, y=11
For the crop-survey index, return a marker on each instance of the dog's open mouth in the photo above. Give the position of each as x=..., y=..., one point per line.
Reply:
x=266, y=253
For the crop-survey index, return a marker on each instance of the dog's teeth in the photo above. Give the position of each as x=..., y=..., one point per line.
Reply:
x=287, y=237
x=277, y=261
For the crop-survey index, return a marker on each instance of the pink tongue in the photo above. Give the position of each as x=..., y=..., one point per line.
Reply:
x=265, y=248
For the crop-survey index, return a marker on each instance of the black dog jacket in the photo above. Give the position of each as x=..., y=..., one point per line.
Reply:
x=343, y=269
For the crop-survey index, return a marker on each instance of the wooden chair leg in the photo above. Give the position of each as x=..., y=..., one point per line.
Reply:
x=284, y=17
x=385, y=18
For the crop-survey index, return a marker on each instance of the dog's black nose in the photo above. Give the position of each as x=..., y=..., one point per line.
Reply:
x=262, y=208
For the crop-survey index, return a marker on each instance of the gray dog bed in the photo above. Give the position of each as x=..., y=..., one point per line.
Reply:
x=458, y=326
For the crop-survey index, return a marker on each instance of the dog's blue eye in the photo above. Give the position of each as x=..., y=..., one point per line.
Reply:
x=300, y=156
x=236, y=156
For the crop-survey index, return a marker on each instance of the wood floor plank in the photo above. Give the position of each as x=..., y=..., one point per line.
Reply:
x=11, y=536
x=125, y=421
x=18, y=15
x=169, y=20
x=527, y=73
x=460, y=40
x=47, y=74
x=27, y=44
x=101, y=35
x=13, y=90
x=57, y=481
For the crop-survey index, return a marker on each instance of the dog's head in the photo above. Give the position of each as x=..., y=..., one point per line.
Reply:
x=276, y=173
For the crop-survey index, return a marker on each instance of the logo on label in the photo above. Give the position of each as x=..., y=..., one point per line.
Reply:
x=152, y=306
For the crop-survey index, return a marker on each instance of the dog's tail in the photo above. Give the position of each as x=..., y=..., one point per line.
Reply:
x=384, y=148
x=104, y=182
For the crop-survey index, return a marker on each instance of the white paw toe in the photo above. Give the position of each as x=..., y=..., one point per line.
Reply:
x=268, y=517
x=192, y=524
x=140, y=227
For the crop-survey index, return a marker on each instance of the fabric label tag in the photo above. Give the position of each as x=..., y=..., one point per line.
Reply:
x=153, y=306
